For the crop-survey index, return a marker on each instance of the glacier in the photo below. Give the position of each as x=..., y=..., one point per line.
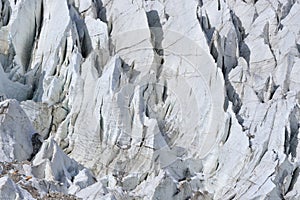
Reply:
x=149, y=99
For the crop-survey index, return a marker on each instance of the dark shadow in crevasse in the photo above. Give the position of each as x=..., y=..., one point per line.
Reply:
x=101, y=11
x=157, y=33
x=84, y=37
